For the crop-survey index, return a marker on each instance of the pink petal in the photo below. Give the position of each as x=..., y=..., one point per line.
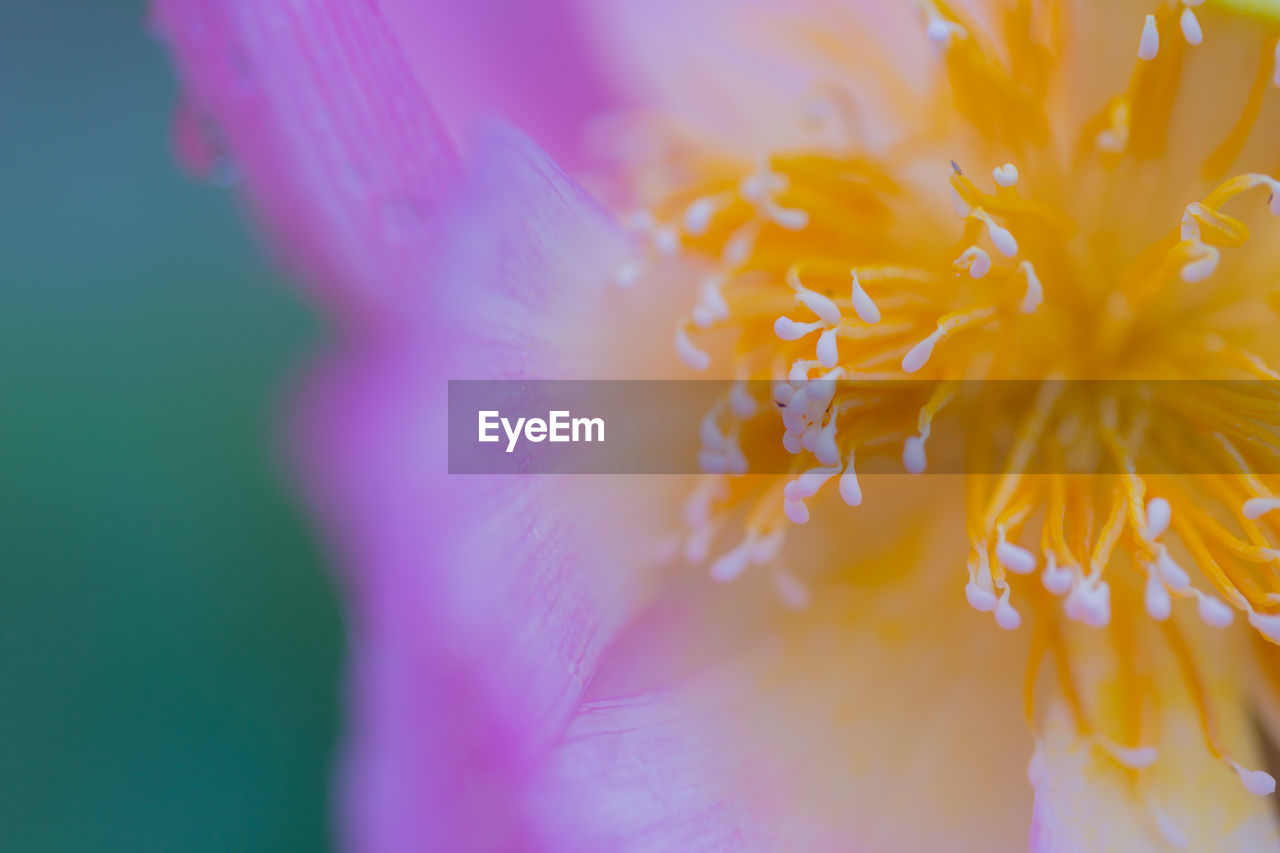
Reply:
x=530, y=61
x=313, y=105
x=481, y=605
x=884, y=720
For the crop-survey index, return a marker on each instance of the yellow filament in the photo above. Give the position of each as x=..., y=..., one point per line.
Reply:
x=1230, y=147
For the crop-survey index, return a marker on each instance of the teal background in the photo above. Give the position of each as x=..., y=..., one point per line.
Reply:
x=169, y=639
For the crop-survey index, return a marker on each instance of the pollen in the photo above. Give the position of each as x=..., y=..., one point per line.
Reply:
x=831, y=270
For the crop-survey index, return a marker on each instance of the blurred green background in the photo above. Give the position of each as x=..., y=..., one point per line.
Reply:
x=169, y=639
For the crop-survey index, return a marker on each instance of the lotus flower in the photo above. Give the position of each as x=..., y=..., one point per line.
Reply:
x=1022, y=190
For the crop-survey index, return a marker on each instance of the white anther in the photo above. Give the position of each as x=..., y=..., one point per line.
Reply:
x=1156, y=598
x=739, y=245
x=982, y=600
x=796, y=415
x=1275, y=75
x=1214, y=611
x=783, y=392
x=736, y=458
x=918, y=356
x=822, y=389
x=793, y=437
x=1111, y=139
x=809, y=483
x=697, y=509
x=794, y=594
x=793, y=434
x=626, y=275
x=938, y=32
x=730, y=566
x=1133, y=757
x=666, y=240
x=976, y=260
x=1035, y=292
x=1089, y=602
x=689, y=354
x=702, y=527
x=796, y=511
x=809, y=439
x=697, y=216
x=1006, y=616
x=828, y=352
x=1260, y=783
x=702, y=316
x=825, y=447
x=740, y=400
x=794, y=330
x=713, y=298
x=1257, y=507
x=850, y=490
x=709, y=432
x=941, y=31
x=1254, y=179
x=1191, y=27
x=765, y=548
x=1056, y=579
x=980, y=591
x=820, y=441
x=817, y=398
x=1174, y=576
x=1190, y=225
x=1267, y=624
x=713, y=462
x=1001, y=237
x=790, y=218
x=791, y=442
x=1159, y=514
x=1015, y=558
x=762, y=183
x=826, y=310
x=913, y=457
x=1149, y=44
x=1006, y=175
x=1202, y=267
x=862, y=303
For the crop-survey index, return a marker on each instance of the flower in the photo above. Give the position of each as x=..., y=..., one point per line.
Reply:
x=1047, y=193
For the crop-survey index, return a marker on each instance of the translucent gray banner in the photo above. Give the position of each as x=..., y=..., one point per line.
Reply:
x=982, y=427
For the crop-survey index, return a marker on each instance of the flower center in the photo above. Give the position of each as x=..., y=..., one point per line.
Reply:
x=829, y=271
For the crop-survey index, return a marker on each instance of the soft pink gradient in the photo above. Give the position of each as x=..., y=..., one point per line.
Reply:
x=533, y=63
x=483, y=610
x=482, y=606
